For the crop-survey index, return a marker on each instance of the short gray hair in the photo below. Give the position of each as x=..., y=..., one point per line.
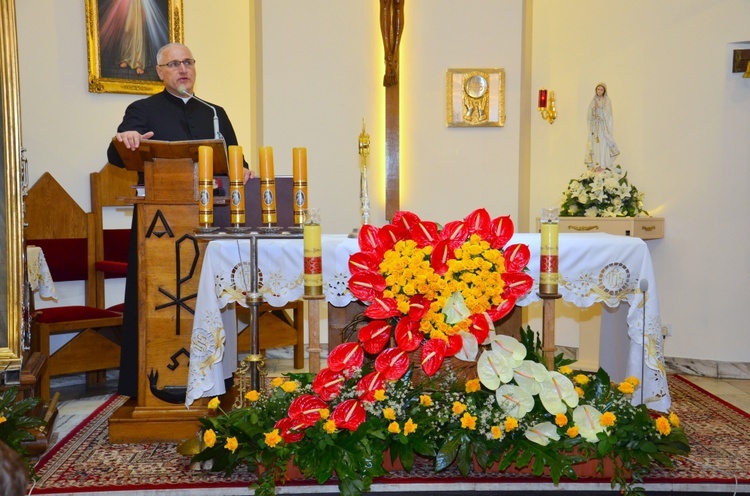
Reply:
x=168, y=45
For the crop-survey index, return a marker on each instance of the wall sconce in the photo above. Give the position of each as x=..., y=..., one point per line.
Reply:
x=546, y=105
x=741, y=62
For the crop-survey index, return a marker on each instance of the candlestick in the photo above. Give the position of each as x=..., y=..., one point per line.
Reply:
x=267, y=185
x=313, y=253
x=205, y=186
x=299, y=183
x=548, y=260
x=236, y=187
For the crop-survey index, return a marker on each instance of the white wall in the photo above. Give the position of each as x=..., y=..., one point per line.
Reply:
x=681, y=117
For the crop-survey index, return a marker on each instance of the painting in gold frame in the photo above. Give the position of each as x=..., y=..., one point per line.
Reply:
x=475, y=97
x=123, y=37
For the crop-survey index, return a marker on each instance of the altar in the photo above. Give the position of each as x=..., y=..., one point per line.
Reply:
x=594, y=268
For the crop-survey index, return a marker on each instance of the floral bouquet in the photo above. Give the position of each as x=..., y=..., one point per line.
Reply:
x=602, y=192
x=437, y=291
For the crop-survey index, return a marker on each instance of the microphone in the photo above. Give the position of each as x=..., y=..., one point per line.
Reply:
x=217, y=133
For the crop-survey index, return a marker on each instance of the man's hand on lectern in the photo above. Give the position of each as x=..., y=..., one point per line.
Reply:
x=132, y=139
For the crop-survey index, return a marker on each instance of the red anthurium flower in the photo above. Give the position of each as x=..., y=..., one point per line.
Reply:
x=346, y=357
x=517, y=284
x=290, y=430
x=363, y=262
x=479, y=222
x=389, y=235
x=425, y=233
x=327, y=384
x=392, y=363
x=349, y=415
x=455, y=233
x=366, y=286
x=406, y=220
x=516, y=257
x=305, y=409
x=502, y=231
x=382, y=308
x=369, y=240
x=370, y=383
x=502, y=309
x=418, y=307
x=433, y=354
x=455, y=343
x=407, y=333
x=441, y=253
x=375, y=335
x=480, y=326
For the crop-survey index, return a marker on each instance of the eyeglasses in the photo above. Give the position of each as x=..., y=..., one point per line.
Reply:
x=175, y=64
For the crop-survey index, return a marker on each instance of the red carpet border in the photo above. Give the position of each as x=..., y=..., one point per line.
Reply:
x=85, y=461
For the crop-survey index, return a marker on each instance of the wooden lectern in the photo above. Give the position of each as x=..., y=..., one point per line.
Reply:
x=169, y=262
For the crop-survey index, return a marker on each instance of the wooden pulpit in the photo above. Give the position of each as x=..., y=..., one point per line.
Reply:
x=169, y=262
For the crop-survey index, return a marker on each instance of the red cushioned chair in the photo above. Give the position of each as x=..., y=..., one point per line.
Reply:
x=65, y=233
x=110, y=187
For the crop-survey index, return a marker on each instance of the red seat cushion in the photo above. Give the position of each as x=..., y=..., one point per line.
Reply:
x=111, y=268
x=72, y=313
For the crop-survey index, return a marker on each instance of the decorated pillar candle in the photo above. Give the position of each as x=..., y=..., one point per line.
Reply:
x=205, y=186
x=548, y=266
x=267, y=186
x=313, y=253
x=236, y=187
x=299, y=183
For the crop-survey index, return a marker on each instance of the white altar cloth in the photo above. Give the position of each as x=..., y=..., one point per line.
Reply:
x=40, y=278
x=594, y=268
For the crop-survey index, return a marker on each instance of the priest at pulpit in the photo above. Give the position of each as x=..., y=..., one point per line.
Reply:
x=174, y=114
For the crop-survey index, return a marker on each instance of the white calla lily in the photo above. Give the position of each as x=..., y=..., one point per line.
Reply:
x=587, y=418
x=542, y=433
x=509, y=346
x=529, y=375
x=514, y=401
x=493, y=369
x=470, y=348
x=557, y=392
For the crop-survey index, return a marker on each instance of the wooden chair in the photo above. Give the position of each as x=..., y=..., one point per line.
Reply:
x=65, y=233
x=109, y=188
x=277, y=326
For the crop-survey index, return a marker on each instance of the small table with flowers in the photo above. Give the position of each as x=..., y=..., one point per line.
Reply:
x=594, y=268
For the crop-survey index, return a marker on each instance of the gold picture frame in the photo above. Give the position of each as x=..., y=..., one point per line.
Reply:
x=475, y=97
x=119, y=62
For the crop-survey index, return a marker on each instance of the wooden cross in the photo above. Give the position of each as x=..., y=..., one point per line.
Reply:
x=391, y=27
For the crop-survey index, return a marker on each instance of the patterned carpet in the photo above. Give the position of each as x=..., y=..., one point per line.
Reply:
x=86, y=463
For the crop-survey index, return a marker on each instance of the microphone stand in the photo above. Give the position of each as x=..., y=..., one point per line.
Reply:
x=644, y=289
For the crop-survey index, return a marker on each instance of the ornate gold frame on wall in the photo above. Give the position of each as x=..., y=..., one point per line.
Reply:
x=475, y=97
x=100, y=84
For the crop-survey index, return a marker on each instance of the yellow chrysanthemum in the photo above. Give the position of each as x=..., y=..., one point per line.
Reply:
x=324, y=413
x=572, y=431
x=662, y=425
x=277, y=381
x=214, y=403
x=581, y=379
x=209, y=438
x=633, y=380
x=510, y=424
x=561, y=420
x=565, y=370
x=252, y=395
x=608, y=419
x=394, y=428
x=3, y=419
x=497, y=432
x=272, y=438
x=458, y=408
x=389, y=414
x=425, y=400
x=626, y=388
x=579, y=392
x=674, y=419
x=329, y=426
x=379, y=394
x=231, y=444
x=409, y=427
x=468, y=421
x=473, y=385
x=289, y=386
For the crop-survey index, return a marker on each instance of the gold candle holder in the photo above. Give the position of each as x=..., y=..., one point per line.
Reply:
x=236, y=187
x=548, y=260
x=313, y=253
x=205, y=186
x=299, y=183
x=267, y=186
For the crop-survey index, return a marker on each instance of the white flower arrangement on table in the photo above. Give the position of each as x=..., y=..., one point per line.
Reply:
x=602, y=192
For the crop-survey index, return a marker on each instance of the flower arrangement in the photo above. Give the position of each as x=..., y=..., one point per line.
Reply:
x=16, y=423
x=602, y=192
x=437, y=291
